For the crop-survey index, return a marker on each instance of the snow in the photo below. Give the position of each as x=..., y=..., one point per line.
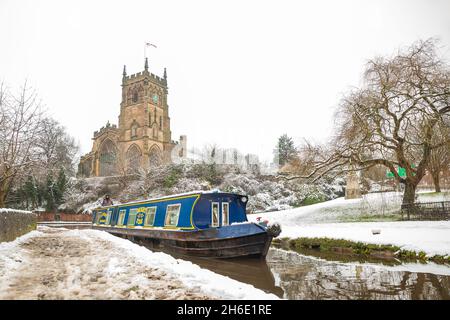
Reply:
x=64, y=222
x=190, y=274
x=11, y=258
x=323, y=220
x=91, y=264
x=266, y=192
x=432, y=237
x=238, y=223
x=7, y=210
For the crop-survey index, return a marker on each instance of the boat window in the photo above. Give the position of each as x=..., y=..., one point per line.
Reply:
x=121, y=219
x=215, y=214
x=132, y=217
x=108, y=217
x=150, y=216
x=101, y=217
x=225, y=213
x=172, y=214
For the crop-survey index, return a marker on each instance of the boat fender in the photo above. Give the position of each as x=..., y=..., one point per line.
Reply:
x=274, y=229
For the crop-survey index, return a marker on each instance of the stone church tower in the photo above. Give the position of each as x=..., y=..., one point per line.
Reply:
x=143, y=136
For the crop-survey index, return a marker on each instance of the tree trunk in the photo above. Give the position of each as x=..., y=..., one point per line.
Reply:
x=2, y=198
x=437, y=186
x=410, y=193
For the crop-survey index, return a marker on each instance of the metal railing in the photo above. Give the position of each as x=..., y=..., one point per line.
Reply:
x=426, y=211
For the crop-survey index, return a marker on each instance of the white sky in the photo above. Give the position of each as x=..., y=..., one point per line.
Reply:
x=240, y=73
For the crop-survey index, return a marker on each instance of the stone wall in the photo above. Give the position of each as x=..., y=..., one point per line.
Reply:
x=14, y=223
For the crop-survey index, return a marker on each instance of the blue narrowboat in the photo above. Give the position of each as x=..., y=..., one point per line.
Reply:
x=203, y=224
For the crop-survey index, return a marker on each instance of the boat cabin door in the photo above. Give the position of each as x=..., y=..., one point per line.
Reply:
x=220, y=214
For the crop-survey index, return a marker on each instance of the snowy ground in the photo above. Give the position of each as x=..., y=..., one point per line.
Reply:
x=323, y=220
x=432, y=237
x=89, y=264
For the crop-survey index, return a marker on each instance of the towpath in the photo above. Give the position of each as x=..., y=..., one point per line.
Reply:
x=61, y=264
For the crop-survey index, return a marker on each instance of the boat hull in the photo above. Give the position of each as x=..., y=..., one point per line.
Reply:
x=245, y=240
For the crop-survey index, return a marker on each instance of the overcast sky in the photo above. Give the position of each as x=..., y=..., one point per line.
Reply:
x=240, y=73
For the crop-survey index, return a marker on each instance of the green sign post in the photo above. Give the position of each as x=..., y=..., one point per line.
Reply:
x=401, y=172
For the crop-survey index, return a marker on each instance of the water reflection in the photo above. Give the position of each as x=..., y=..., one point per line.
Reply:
x=302, y=277
x=290, y=275
x=252, y=271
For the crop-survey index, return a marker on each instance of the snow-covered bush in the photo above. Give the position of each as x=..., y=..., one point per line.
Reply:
x=266, y=192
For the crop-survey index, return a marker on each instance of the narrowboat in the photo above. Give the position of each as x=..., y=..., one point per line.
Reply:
x=202, y=224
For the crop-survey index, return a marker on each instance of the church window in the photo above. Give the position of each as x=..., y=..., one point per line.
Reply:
x=135, y=96
x=160, y=123
x=133, y=157
x=155, y=157
x=108, y=156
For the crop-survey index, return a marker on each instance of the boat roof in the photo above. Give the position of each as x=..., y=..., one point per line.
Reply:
x=195, y=192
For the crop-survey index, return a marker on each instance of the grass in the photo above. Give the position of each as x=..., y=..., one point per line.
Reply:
x=313, y=199
x=347, y=250
x=371, y=218
x=433, y=196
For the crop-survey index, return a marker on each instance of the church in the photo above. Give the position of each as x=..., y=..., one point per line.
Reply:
x=142, y=138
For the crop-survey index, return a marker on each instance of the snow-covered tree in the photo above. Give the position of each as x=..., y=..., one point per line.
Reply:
x=20, y=125
x=285, y=150
x=32, y=147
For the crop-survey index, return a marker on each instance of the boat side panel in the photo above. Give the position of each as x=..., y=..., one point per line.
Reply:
x=184, y=221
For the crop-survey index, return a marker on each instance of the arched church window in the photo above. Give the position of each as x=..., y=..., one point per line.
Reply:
x=133, y=157
x=108, y=159
x=160, y=123
x=135, y=96
x=155, y=156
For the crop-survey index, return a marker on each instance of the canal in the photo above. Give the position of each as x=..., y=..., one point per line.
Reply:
x=291, y=275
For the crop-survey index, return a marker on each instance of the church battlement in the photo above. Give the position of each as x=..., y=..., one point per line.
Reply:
x=142, y=75
x=162, y=81
x=104, y=129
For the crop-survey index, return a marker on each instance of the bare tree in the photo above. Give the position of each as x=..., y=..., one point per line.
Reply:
x=20, y=118
x=393, y=120
x=307, y=156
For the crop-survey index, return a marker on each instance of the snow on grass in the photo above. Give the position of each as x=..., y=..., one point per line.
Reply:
x=322, y=220
x=190, y=274
x=432, y=237
x=321, y=212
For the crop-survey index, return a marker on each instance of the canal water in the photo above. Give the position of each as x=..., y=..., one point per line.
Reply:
x=290, y=275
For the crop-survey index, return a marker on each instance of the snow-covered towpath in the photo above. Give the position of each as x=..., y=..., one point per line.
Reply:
x=87, y=264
